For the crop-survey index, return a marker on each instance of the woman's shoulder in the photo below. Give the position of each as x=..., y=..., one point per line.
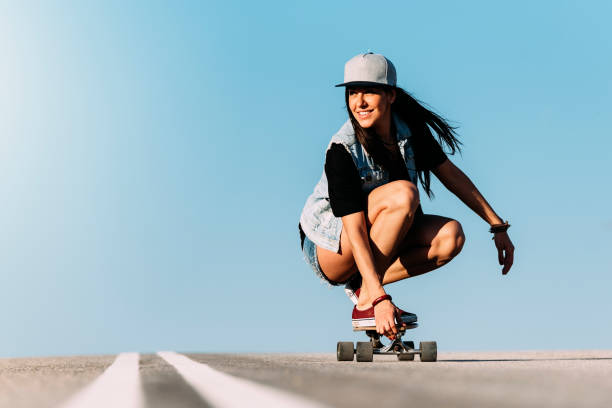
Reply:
x=345, y=135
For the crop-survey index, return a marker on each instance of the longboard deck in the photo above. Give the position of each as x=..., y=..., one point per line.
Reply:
x=402, y=329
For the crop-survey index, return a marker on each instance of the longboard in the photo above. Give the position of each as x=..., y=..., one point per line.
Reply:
x=404, y=350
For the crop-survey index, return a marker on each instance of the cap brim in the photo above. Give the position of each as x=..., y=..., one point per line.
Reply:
x=363, y=83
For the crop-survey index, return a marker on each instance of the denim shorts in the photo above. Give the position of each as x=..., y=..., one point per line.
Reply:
x=309, y=249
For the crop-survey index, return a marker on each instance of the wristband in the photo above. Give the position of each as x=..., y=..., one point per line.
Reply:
x=380, y=299
x=499, y=227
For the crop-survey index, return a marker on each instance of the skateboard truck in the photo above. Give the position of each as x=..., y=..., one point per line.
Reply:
x=404, y=350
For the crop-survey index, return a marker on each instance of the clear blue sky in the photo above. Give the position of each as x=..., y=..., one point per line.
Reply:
x=155, y=157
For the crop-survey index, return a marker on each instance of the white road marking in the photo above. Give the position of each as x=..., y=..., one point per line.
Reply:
x=224, y=391
x=117, y=387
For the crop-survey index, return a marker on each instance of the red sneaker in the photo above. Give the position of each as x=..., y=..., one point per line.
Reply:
x=365, y=318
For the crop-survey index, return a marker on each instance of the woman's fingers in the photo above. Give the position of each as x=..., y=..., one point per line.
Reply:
x=392, y=328
x=389, y=329
x=385, y=319
x=500, y=252
x=509, y=260
x=505, y=251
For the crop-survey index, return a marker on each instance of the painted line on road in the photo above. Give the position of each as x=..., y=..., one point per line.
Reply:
x=225, y=391
x=118, y=387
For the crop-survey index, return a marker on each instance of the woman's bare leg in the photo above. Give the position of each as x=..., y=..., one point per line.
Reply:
x=432, y=241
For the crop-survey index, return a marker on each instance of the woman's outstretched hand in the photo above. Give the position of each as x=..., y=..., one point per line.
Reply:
x=385, y=313
x=505, y=250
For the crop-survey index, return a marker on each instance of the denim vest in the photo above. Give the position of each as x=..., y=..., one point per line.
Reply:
x=317, y=220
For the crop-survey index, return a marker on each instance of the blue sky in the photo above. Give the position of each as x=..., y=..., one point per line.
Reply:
x=155, y=157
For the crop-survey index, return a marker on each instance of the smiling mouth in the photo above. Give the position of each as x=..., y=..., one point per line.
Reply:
x=363, y=114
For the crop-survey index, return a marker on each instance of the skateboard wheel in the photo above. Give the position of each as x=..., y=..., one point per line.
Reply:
x=405, y=356
x=365, y=351
x=345, y=351
x=429, y=351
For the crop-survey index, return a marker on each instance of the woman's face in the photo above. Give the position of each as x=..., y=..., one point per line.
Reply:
x=370, y=106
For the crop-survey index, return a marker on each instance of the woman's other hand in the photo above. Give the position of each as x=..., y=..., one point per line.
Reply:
x=505, y=250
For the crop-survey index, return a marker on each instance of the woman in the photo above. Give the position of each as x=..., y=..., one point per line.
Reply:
x=363, y=225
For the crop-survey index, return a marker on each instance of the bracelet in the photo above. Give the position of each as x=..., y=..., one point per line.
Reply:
x=499, y=227
x=380, y=299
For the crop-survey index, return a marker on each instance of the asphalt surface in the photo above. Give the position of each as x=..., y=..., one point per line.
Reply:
x=46, y=382
x=500, y=379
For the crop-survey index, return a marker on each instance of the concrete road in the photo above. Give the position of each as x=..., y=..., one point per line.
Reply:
x=45, y=382
x=508, y=379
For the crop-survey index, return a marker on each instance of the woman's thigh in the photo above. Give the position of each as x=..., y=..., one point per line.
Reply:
x=427, y=229
x=338, y=267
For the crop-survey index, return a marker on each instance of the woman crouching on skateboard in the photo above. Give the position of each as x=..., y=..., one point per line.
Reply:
x=363, y=225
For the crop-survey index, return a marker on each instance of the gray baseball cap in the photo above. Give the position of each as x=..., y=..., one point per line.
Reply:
x=369, y=69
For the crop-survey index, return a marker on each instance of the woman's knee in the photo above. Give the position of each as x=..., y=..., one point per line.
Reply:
x=450, y=240
x=403, y=197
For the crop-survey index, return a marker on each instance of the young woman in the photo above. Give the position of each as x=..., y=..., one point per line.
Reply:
x=363, y=225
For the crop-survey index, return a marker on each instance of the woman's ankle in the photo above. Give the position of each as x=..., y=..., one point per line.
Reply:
x=365, y=300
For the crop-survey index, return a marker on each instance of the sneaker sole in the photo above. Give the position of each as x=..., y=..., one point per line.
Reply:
x=364, y=322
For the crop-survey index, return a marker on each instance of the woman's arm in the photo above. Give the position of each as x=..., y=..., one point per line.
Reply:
x=459, y=184
x=384, y=312
x=357, y=232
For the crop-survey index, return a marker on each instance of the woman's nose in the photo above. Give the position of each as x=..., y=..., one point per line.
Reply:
x=361, y=102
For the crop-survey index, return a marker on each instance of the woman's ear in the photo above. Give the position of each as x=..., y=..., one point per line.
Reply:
x=392, y=94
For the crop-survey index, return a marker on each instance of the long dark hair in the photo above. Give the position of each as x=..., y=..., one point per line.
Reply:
x=421, y=122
